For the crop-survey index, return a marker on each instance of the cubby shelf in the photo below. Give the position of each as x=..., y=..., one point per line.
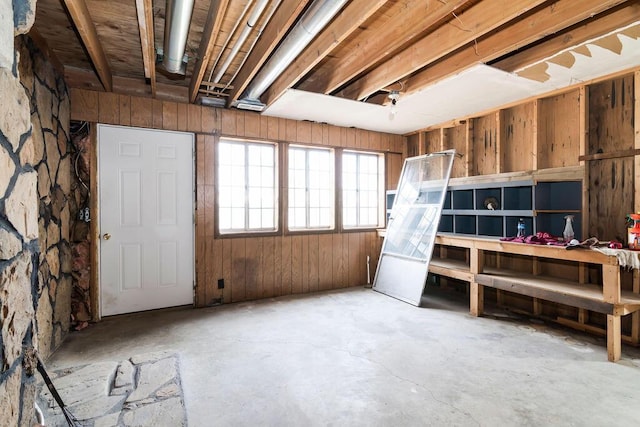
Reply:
x=542, y=202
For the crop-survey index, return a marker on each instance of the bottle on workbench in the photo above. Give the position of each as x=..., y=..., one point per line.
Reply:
x=521, y=228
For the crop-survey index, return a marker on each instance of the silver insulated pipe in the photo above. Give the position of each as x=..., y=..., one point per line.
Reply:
x=314, y=19
x=177, y=18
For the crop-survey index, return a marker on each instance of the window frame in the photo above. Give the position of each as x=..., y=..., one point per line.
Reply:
x=334, y=207
x=218, y=233
x=381, y=184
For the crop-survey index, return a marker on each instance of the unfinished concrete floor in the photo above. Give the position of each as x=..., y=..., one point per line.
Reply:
x=356, y=357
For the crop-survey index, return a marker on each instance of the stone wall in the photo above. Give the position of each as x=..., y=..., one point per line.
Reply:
x=48, y=151
x=33, y=312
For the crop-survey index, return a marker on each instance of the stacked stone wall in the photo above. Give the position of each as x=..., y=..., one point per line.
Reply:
x=35, y=276
x=48, y=152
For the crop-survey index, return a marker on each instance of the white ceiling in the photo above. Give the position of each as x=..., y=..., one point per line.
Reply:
x=473, y=90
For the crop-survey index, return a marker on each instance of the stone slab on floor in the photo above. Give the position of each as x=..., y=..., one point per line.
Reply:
x=143, y=390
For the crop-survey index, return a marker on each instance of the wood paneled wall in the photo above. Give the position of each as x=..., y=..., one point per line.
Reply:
x=253, y=267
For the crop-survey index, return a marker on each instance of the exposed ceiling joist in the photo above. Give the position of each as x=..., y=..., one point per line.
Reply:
x=145, y=24
x=374, y=45
x=600, y=24
x=286, y=15
x=354, y=14
x=215, y=17
x=470, y=25
x=548, y=20
x=87, y=30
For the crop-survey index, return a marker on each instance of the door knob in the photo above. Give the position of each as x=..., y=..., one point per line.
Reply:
x=106, y=236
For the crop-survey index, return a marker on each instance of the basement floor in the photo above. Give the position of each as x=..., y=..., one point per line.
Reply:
x=356, y=357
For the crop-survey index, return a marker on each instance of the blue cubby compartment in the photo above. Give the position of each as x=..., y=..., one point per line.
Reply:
x=447, y=200
x=511, y=225
x=553, y=223
x=490, y=226
x=462, y=199
x=391, y=196
x=518, y=198
x=483, y=194
x=446, y=224
x=559, y=195
x=465, y=224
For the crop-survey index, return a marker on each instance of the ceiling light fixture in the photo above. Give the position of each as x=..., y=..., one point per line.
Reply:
x=394, y=95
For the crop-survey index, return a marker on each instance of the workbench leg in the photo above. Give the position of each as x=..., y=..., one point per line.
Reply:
x=614, y=337
x=476, y=300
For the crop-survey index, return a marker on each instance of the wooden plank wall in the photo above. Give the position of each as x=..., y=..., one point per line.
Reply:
x=485, y=145
x=260, y=267
x=559, y=130
x=611, y=180
x=517, y=137
x=457, y=138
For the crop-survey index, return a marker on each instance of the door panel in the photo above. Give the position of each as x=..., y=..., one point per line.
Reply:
x=146, y=219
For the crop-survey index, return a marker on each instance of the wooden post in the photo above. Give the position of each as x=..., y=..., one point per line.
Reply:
x=476, y=265
x=614, y=337
x=94, y=230
x=583, y=314
x=537, y=304
x=584, y=132
x=611, y=283
x=635, y=317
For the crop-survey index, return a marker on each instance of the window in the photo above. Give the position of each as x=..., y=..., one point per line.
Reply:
x=311, y=188
x=246, y=187
x=362, y=189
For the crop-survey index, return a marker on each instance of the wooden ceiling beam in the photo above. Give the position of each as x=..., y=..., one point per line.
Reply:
x=147, y=40
x=85, y=79
x=84, y=25
x=597, y=26
x=549, y=20
x=286, y=15
x=217, y=10
x=354, y=14
x=478, y=20
x=373, y=46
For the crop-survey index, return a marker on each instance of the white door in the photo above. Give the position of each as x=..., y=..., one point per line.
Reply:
x=146, y=219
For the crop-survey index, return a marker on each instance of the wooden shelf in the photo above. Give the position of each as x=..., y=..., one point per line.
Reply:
x=451, y=268
x=585, y=296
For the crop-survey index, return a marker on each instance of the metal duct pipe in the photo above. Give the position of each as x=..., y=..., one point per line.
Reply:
x=313, y=20
x=251, y=22
x=177, y=18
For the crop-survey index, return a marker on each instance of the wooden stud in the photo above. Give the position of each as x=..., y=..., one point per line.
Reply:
x=86, y=29
x=94, y=227
x=415, y=16
x=210, y=32
x=486, y=16
x=144, y=8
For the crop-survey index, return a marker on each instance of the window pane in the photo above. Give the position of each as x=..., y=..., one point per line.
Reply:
x=267, y=218
x=224, y=218
x=349, y=217
x=311, y=187
x=237, y=218
x=246, y=186
x=361, y=189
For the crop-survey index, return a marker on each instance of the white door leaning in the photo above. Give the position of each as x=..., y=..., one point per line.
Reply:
x=146, y=219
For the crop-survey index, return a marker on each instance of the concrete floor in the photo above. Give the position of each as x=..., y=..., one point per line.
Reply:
x=356, y=357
